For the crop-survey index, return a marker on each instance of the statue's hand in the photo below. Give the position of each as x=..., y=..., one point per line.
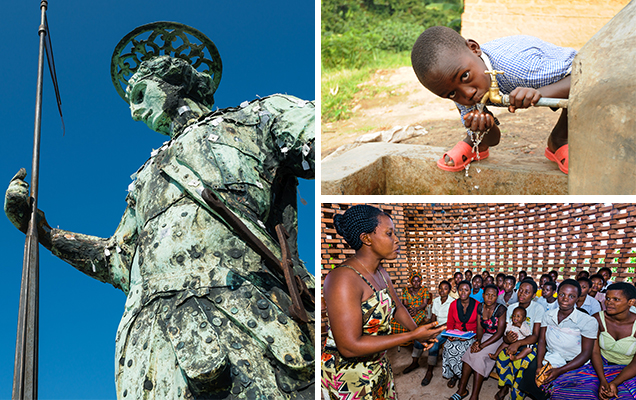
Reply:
x=17, y=202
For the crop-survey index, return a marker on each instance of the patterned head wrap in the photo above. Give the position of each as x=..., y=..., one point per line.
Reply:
x=415, y=273
x=356, y=221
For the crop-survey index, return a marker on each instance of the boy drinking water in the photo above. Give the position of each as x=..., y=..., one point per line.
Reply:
x=453, y=67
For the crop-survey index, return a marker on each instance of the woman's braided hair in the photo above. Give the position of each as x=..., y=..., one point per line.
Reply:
x=355, y=221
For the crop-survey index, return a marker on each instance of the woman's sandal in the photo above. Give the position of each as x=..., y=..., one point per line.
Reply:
x=458, y=396
x=452, y=382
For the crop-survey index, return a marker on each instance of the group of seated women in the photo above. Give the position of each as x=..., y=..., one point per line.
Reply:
x=538, y=347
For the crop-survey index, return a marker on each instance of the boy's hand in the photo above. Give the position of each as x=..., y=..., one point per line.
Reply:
x=523, y=97
x=478, y=121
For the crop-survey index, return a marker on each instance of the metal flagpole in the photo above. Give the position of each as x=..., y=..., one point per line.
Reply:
x=25, y=373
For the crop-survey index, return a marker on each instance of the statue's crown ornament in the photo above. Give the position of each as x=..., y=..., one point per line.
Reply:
x=163, y=38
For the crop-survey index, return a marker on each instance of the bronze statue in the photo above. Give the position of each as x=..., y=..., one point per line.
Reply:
x=207, y=315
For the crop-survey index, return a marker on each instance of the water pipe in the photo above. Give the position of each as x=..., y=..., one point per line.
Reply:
x=494, y=95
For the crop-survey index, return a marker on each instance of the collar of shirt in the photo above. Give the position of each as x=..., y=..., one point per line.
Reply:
x=448, y=300
x=574, y=316
x=486, y=61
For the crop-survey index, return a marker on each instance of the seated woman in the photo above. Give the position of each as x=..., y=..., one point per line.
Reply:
x=612, y=373
x=500, y=282
x=360, y=302
x=439, y=310
x=457, y=277
x=511, y=371
x=566, y=340
x=462, y=315
x=491, y=323
x=477, y=293
x=595, y=291
x=415, y=298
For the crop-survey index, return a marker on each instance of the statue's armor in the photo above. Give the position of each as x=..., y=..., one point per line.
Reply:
x=202, y=310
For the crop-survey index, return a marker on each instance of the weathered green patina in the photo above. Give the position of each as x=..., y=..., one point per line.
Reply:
x=204, y=317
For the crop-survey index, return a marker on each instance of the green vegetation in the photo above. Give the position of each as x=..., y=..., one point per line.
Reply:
x=359, y=36
x=339, y=86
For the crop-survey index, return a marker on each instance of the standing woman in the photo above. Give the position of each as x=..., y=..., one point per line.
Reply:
x=462, y=315
x=360, y=301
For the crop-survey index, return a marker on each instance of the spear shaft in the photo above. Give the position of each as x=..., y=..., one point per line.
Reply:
x=25, y=373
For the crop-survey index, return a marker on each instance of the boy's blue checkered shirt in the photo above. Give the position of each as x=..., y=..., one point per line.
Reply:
x=527, y=61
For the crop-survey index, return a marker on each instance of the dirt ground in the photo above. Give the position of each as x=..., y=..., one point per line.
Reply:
x=408, y=103
x=408, y=386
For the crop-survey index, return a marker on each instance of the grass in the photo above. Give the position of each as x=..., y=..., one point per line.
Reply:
x=340, y=87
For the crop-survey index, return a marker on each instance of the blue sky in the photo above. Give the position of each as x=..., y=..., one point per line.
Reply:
x=266, y=47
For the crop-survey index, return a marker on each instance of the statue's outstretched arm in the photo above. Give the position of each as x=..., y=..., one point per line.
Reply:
x=104, y=259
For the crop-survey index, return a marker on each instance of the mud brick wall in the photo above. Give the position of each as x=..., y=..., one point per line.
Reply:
x=334, y=250
x=440, y=239
x=564, y=23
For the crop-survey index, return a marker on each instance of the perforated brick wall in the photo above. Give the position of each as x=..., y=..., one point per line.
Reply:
x=440, y=239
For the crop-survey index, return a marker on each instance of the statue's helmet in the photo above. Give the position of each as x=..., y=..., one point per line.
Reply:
x=175, y=53
x=191, y=83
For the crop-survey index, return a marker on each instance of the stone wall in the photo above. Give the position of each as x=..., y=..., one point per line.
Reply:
x=564, y=23
x=440, y=239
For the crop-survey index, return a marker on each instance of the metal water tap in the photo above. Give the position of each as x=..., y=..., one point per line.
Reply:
x=493, y=93
x=496, y=97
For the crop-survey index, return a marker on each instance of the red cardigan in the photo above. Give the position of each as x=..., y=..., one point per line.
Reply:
x=453, y=320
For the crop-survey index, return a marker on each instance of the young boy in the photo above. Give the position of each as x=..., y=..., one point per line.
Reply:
x=547, y=298
x=598, y=282
x=453, y=67
x=522, y=328
x=585, y=301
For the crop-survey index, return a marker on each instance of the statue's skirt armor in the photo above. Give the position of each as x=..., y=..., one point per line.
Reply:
x=203, y=317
